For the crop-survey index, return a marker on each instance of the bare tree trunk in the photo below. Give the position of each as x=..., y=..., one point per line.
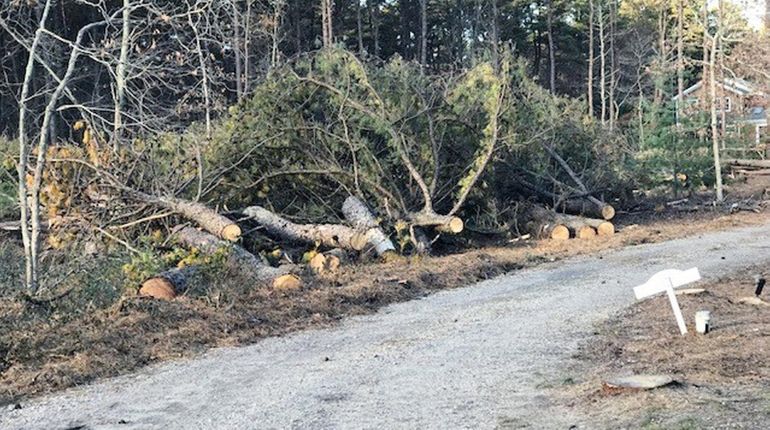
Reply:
x=590, y=83
x=237, y=49
x=602, y=65
x=327, y=15
x=204, y=74
x=679, y=61
x=495, y=36
x=551, y=53
x=374, y=23
x=33, y=201
x=613, y=81
x=714, y=118
x=120, y=74
x=275, y=52
x=30, y=265
x=423, y=33
x=246, y=49
x=360, y=29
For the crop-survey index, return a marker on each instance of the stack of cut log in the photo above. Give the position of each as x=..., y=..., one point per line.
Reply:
x=549, y=224
x=749, y=167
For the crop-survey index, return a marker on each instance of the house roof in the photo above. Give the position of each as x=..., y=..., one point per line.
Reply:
x=737, y=86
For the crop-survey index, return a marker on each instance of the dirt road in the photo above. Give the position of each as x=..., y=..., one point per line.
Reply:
x=477, y=357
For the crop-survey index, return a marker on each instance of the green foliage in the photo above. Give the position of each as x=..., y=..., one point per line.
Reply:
x=670, y=158
x=151, y=260
x=8, y=175
x=328, y=125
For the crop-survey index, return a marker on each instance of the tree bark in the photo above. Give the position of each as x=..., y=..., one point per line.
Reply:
x=30, y=261
x=423, y=33
x=602, y=65
x=208, y=219
x=551, y=53
x=120, y=74
x=590, y=83
x=359, y=216
x=328, y=235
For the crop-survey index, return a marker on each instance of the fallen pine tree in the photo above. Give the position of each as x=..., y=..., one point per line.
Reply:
x=170, y=283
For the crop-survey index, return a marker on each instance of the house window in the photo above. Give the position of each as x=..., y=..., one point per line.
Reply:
x=728, y=106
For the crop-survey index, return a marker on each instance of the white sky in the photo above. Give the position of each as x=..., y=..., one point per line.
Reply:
x=753, y=10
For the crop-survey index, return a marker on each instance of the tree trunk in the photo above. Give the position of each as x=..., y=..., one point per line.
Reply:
x=326, y=22
x=714, y=118
x=590, y=83
x=423, y=33
x=29, y=257
x=120, y=74
x=328, y=235
x=551, y=53
x=602, y=65
x=359, y=216
x=208, y=219
x=360, y=29
x=588, y=206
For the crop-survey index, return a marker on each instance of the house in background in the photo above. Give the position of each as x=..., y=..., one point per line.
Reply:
x=740, y=103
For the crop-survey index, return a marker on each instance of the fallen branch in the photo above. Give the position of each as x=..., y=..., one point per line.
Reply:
x=328, y=235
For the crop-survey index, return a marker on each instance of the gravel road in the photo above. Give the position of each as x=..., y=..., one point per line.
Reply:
x=476, y=357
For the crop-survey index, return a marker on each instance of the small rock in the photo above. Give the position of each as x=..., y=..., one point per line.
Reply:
x=638, y=382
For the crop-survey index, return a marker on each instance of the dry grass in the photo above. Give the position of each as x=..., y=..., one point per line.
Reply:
x=722, y=377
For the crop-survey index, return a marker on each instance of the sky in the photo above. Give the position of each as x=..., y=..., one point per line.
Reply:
x=753, y=10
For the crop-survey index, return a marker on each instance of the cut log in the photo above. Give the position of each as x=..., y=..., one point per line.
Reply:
x=329, y=235
x=167, y=285
x=545, y=224
x=362, y=220
x=585, y=232
x=442, y=223
x=237, y=258
x=208, y=219
x=288, y=282
x=757, y=164
x=547, y=230
x=589, y=207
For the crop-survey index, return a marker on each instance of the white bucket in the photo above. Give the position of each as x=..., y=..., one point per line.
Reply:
x=702, y=319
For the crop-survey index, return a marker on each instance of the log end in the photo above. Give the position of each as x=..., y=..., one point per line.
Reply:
x=455, y=225
x=157, y=288
x=605, y=229
x=586, y=232
x=231, y=232
x=288, y=282
x=560, y=232
x=318, y=263
x=608, y=212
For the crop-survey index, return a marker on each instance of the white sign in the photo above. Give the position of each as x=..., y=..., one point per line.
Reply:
x=666, y=281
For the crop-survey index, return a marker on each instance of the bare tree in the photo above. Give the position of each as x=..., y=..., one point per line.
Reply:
x=591, y=58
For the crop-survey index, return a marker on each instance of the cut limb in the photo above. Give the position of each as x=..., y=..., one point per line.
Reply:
x=329, y=235
x=216, y=224
x=237, y=257
x=362, y=220
x=442, y=223
x=168, y=284
x=588, y=206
